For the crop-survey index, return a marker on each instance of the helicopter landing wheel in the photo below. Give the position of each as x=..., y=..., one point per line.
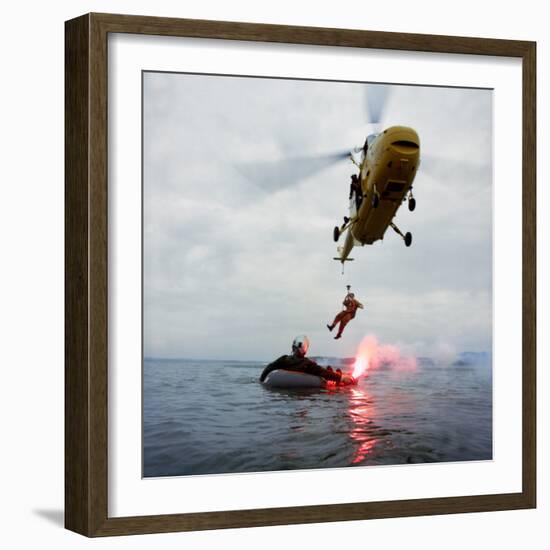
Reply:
x=408, y=239
x=336, y=234
x=412, y=204
x=375, y=201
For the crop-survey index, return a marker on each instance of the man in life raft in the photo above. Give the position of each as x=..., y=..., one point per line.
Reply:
x=298, y=362
x=347, y=314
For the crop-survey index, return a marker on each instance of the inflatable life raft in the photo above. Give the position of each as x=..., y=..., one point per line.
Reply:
x=282, y=378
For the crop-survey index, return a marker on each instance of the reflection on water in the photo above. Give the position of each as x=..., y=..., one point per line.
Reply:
x=225, y=421
x=359, y=412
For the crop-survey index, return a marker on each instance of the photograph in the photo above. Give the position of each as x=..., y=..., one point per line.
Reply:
x=317, y=274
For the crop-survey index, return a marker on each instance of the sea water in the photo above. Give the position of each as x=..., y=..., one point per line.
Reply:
x=211, y=417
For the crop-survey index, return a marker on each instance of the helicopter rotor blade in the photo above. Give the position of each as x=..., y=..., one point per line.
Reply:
x=438, y=166
x=272, y=176
x=377, y=96
x=444, y=173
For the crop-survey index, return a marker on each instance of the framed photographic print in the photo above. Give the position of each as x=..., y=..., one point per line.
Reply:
x=300, y=275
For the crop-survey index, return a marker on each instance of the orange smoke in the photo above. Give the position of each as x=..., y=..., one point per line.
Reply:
x=371, y=354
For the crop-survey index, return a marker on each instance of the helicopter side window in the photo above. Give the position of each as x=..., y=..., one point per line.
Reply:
x=368, y=142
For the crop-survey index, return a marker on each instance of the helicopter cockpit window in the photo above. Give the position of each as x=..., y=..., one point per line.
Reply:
x=371, y=138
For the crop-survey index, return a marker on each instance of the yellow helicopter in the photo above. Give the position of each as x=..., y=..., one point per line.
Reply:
x=387, y=169
x=387, y=163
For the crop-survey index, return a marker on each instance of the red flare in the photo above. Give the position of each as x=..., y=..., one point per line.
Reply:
x=360, y=365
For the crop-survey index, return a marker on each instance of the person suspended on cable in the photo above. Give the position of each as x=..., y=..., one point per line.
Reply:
x=298, y=362
x=351, y=305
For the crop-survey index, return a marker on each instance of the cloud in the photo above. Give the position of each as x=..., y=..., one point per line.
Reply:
x=233, y=271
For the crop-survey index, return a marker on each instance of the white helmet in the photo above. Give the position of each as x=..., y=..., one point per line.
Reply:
x=300, y=345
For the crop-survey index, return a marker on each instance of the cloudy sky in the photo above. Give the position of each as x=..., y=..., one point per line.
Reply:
x=238, y=248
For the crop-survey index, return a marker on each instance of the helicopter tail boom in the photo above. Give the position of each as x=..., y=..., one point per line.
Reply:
x=344, y=251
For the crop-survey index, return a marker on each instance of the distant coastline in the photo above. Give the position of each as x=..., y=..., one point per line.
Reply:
x=462, y=358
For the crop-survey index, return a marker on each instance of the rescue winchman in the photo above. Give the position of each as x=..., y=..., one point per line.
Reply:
x=351, y=305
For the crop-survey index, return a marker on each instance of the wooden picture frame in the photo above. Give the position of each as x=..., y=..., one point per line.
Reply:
x=86, y=283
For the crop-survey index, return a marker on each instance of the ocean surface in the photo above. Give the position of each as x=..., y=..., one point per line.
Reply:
x=212, y=417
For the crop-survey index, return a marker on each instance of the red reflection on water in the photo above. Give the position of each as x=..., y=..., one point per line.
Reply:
x=360, y=412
